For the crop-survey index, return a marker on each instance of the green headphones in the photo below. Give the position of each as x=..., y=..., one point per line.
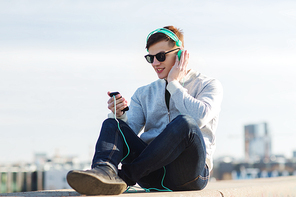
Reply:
x=171, y=34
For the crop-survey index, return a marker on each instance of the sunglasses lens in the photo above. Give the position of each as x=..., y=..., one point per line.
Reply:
x=149, y=58
x=160, y=56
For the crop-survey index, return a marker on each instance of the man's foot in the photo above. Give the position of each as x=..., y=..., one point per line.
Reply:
x=101, y=180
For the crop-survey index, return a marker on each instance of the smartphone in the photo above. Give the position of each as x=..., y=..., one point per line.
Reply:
x=114, y=94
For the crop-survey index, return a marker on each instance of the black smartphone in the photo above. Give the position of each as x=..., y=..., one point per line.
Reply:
x=115, y=93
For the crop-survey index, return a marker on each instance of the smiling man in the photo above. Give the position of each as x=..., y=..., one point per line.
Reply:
x=179, y=115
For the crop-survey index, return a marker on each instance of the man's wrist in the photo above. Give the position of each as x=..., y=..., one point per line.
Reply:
x=122, y=117
x=173, y=86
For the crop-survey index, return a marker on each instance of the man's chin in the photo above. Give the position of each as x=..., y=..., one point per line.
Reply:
x=162, y=77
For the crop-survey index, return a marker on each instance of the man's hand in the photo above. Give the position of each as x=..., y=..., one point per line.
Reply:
x=179, y=69
x=121, y=103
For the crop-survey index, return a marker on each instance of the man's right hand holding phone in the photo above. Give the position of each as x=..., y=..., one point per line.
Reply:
x=121, y=103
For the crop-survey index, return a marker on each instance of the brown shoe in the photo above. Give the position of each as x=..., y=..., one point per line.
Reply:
x=101, y=180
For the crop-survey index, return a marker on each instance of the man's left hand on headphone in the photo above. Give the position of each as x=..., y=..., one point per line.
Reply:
x=179, y=69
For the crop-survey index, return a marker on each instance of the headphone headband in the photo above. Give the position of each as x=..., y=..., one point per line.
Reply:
x=169, y=33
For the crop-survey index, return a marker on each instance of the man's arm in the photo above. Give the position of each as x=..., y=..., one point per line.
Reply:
x=204, y=106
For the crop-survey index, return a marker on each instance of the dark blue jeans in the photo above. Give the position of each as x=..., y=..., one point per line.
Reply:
x=179, y=147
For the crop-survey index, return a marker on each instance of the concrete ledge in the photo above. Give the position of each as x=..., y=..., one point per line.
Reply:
x=282, y=186
x=203, y=193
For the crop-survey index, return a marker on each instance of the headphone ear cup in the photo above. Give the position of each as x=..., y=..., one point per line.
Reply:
x=179, y=54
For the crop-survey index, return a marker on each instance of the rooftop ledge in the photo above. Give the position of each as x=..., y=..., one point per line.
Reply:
x=280, y=186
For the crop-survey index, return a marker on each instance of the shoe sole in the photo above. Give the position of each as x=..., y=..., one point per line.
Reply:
x=88, y=184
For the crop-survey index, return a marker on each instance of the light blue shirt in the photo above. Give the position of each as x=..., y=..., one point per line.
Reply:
x=200, y=98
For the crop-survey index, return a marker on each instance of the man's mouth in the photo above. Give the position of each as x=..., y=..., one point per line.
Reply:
x=159, y=70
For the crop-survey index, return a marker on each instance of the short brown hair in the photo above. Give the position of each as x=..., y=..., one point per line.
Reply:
x=157, y=37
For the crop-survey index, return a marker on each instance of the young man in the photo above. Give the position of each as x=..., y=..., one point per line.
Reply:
x=179, y=114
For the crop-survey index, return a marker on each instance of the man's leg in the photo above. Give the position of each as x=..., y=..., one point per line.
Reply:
x=111, y=147
x=181, y=138
x=102, y=179
x=189, y=171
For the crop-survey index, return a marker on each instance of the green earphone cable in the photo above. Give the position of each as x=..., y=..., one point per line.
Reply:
x=149, y=189
x=128, y=152
x=128, y=149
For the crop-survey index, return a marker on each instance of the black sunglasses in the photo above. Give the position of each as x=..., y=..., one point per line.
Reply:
x=159, y=56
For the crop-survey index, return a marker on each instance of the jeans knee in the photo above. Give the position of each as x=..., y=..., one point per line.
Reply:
x=182, y=125
x=109, y=124
x=109, y=121
x=186, y=121
x=112, y=124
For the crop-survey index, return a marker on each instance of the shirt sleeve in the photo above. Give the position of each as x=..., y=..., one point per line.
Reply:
x=123, y=117
x=204, y=106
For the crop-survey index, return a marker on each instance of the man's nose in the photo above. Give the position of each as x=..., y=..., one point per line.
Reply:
x=155, y=62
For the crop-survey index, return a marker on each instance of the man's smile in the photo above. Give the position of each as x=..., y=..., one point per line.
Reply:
x=159, y=70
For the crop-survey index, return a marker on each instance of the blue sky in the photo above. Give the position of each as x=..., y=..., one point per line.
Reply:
x=59, y=58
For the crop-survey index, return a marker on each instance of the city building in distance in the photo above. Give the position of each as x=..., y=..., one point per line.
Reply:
x=257, y=142
x=259, y=161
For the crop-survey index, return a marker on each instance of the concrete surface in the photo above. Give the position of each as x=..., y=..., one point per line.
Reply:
x=275, y=187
